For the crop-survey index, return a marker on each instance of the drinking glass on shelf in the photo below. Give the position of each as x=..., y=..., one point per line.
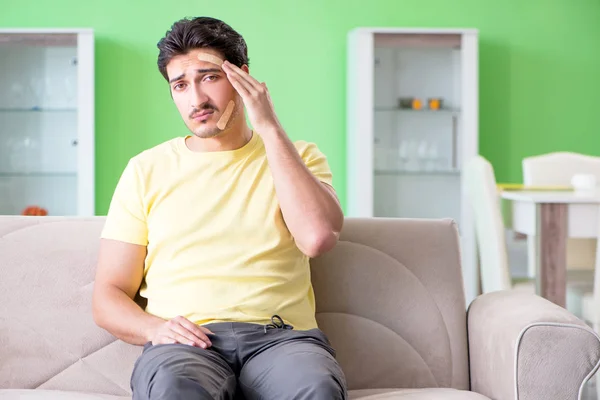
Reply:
x=36, y=85
x=433, y=157
x=411, y=161
x=49, y=92
x=422, y=154
x=403, y=152
x=70, y=89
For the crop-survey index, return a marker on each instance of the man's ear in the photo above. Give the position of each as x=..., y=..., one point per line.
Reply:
x=245, y=69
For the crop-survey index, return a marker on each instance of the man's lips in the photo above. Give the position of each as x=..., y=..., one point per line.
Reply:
x=203, y=115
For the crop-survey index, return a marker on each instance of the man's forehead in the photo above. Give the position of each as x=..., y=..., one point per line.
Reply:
x=197, y=57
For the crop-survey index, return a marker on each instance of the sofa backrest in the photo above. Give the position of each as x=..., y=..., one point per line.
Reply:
x=389, y=296
x=48, y=339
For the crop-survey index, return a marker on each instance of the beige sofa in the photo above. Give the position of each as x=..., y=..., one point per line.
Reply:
x=390, y=297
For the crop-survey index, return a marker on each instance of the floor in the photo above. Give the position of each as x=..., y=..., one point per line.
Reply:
x=517, y=257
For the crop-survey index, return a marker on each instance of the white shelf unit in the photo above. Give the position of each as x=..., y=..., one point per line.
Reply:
x=405, y=161
x=47, y=121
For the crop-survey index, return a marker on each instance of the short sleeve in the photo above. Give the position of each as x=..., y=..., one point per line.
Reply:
x=126, y=217
x=315, y=161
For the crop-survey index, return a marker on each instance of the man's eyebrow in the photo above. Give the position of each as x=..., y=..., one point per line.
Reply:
x=199, y=71
x=206, y=70
x=177, y=78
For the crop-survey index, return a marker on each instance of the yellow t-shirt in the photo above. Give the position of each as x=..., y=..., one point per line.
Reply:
x=218, y=247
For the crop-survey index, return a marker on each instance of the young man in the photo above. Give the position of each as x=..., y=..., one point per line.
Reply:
x=216, y=230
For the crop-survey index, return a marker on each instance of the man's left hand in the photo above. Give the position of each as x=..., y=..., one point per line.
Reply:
x=257, y=100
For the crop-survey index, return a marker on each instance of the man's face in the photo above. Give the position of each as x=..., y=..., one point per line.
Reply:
x=201, y=92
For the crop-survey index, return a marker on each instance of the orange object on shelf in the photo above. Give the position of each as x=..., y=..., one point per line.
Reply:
x=35, y=211
x=417, y=104
x=434, y=104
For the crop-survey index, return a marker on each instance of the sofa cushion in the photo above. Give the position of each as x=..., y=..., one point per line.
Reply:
x=29, y=394
x=415, y=394
x=368, y=394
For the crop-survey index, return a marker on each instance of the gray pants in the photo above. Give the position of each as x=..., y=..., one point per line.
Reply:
x=244, y=361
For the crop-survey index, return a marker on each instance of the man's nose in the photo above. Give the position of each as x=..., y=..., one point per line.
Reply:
x=199, y=98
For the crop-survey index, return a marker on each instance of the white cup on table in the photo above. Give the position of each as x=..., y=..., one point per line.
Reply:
x=584, y=182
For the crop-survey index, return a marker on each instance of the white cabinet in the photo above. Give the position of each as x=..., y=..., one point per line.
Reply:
x=412, y=121
x=47, y=121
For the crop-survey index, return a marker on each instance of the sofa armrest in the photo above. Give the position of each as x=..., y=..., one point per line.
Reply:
x=522, y=346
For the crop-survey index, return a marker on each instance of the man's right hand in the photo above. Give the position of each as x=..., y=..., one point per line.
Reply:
x=181, y=330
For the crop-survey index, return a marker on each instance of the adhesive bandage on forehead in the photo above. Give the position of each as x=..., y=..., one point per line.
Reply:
x=210, y=58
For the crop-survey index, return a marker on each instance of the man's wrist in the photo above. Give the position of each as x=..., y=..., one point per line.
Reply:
x=150, y=329
x=272, y=132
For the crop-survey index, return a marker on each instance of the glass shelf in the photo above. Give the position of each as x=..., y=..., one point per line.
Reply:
x=417, y=172
x=37, y=109
x=39, y=174
x=423, y=111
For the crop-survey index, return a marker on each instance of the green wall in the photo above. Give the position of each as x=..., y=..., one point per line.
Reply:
x=539, y=69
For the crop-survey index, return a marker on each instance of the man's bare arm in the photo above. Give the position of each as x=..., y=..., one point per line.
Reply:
x=119, y=274
x=310, y=208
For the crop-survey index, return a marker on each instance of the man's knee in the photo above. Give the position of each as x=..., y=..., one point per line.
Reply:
x=318, y=378
x=167, y=384
x=319, y=387
x=175, y=372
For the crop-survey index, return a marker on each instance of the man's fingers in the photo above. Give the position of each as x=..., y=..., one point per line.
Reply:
x=180, y=331
x=195, y=330
x=179, y=338
x=164, y=340
x=234, y=74
x=242, y=89
x=253, y=88
x=206, y=330
x=246, y=77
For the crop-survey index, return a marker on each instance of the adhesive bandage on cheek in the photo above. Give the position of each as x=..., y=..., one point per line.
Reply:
x=226, y=115
x=210, y=58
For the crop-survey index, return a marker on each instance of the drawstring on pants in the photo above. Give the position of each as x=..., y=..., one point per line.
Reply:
x=277, y=323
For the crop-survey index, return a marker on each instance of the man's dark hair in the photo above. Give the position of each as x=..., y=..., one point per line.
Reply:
x=192, y=33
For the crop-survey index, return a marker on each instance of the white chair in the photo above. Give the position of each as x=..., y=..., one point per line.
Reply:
x=591, y=303
x=558, y=169
x=484, y=199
